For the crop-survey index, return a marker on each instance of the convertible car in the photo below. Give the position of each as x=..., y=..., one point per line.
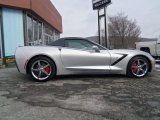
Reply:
x=68, y=56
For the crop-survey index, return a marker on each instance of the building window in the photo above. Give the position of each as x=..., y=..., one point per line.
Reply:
x=48, y=34
x=29, y=31
x=35, y=32
x=40, y=33
x=57, y=35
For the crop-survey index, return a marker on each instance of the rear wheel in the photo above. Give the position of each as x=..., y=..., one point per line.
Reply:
x=138, y=67
x=42, y=69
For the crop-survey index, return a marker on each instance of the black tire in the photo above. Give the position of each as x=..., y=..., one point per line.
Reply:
x=42, y=72
x=133, y=68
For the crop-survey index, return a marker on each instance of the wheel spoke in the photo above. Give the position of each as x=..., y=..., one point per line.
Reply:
x=46, y=66
x=39, y=63
x=142, y=70
x=138, y=71
x=45, y=73
x=36, y=70
x=39, y=74
x=139, y=62
x=144, y=65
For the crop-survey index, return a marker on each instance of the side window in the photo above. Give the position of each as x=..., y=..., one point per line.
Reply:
x=79, y=44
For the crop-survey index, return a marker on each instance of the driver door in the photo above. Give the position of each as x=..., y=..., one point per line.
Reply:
x=79, y=55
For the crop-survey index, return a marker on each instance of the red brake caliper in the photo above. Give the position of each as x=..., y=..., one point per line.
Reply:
x=134, y=69
x=47, y=69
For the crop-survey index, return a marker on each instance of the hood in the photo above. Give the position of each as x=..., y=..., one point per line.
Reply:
x=129, y=52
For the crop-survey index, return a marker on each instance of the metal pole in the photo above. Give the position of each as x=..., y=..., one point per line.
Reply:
x=106, y=28
x=99, y=34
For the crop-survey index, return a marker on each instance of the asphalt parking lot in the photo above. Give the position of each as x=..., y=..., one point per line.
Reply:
x=109, y=97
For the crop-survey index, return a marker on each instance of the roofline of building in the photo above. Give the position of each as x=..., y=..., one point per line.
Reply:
x=43, y=8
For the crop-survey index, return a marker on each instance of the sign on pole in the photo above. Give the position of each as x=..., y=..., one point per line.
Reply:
x=97, y=4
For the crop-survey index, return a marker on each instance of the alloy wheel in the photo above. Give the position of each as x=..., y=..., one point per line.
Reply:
x=41, y=70
x=139, y=67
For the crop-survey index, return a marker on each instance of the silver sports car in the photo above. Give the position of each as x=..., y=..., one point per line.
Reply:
x=68, y=56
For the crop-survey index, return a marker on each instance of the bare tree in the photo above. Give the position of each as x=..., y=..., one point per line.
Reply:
x=123, y=32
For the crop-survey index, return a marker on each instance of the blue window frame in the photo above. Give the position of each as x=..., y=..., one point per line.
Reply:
x=1, y=53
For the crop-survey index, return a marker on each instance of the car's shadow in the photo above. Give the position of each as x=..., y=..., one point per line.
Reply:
x=74, y=77
x=26, y=78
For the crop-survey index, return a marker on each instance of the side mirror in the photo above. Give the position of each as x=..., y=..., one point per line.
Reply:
x=96, y=49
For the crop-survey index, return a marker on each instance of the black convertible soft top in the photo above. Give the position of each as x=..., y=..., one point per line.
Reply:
x=61, y=42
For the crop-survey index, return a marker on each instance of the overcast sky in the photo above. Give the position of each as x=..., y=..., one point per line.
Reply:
x=80, y=20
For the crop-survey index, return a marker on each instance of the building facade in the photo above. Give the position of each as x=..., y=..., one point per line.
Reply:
x=27, y=23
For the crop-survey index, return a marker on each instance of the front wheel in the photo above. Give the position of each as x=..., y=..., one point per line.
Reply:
x=138, y=67
x=42, y=69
